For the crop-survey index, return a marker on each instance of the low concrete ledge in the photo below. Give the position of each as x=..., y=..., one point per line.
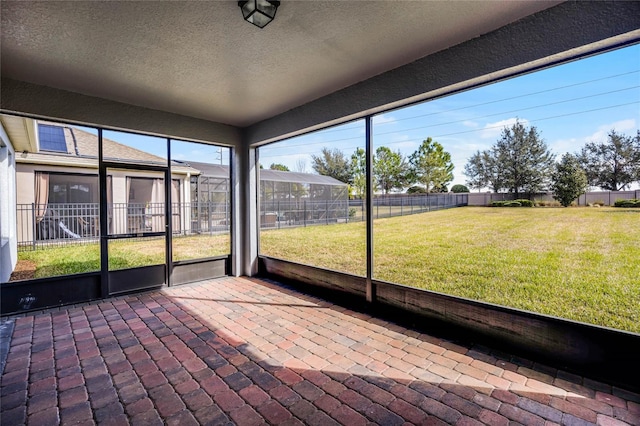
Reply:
x=597, y=352
x=296, y=273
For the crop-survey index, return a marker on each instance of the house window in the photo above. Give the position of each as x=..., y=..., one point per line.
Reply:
x=52, y=138
x=73, y=188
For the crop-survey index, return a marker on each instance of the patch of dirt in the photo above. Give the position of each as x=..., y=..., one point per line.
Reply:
x=25, y=270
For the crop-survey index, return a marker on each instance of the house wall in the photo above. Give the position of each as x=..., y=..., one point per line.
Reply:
x=8, y=236
x=25, y=183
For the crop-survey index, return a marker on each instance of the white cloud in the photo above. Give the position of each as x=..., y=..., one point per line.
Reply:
x=619, y=126
x=493, y=130
x=383, y=119
x=471, y=124
x=561, y=146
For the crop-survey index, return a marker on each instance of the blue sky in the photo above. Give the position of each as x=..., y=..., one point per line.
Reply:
x=180, y=150
x=570, y=105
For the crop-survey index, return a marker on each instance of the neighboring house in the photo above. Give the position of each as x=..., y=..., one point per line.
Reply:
x=58, y=189
x=289, y=197
x=53, y=182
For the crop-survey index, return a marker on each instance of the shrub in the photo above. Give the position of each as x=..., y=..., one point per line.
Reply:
x=352, y=212
x=525, y=203
x=545, y=203
x=514, y=203
x=627, y=203
x=459, y=188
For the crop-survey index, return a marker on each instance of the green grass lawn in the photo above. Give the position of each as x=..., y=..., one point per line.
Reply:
x=78, y=258
x=577, y=263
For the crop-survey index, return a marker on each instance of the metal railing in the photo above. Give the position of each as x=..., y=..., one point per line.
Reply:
x=57, y=224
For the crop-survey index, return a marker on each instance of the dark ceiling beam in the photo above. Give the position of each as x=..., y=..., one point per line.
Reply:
x=55, y=104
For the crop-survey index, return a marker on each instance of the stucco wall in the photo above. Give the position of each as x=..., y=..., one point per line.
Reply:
x=8, y=237
x=25, y=183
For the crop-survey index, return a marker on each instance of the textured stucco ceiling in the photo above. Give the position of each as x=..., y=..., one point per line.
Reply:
x=202, y=60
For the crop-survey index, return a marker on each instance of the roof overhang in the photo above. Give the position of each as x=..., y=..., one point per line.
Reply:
x=22, y=132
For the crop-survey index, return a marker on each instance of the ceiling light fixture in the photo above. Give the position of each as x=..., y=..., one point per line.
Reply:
x=259, y=12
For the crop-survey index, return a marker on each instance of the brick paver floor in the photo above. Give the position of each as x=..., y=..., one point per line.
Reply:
x=247, y=351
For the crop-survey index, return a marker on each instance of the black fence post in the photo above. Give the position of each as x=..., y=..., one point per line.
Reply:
x=33, y=221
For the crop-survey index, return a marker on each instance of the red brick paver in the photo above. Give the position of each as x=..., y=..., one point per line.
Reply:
x=248, y=351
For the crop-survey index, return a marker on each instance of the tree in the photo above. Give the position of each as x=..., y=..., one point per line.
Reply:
x=524, y=160
x=458, y=189
x=281, y=167
x=301, y=165
x=416, y=190
x=431, y=166
x=612, y=165
x=332, y=163
x=389, y=169
x=359, y=172
x=440, y=189
x=568, y=180
x=482, y=172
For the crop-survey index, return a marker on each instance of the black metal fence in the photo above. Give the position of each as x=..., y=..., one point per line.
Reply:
x=61, y=224
x=40, y=223
x=282, y=214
